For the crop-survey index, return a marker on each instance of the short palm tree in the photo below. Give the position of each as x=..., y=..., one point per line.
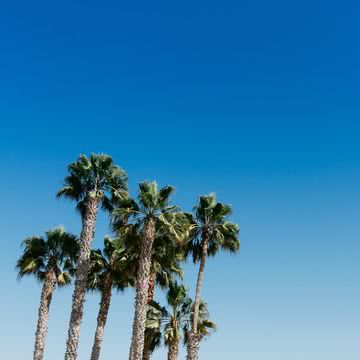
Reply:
x=176, y=321
x=176, y=318
x=151, y=212
x=110, y=268
x=211, y=233
x=51, y=259
x=91, y=182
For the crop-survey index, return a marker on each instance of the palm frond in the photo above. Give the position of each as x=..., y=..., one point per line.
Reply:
x=64, y=278
x=125, y=210
x=114, y=261
x=164, y=196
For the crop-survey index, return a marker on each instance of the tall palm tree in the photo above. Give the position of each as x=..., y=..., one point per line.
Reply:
x=151, y=212
x=51, y=259
x=211, y=233
x=177, y=320
x=110, y=268
x=91, y=182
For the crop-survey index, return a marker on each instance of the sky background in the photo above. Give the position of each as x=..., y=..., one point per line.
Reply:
x=257, y=101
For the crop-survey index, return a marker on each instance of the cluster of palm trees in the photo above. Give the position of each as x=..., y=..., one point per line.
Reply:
x=152, y=238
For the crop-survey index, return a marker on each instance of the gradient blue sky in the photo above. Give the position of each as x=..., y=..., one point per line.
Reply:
x=255, y=100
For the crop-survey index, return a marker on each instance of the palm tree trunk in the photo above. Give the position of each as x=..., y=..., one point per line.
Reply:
x=193, y=344
x=173, y=351
x=78, y=299
x=45, y=301
x=151, y=290
x=142, y=287
x=102, y=316
x=200, y=281
x=151, y=293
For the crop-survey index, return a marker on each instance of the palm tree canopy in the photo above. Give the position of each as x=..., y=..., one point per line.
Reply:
x=166, y=259
x=211, y=218
x=171, y=322
x=58, y=247
x=178, y=318
x=167, y=254
x=114, y=261
x=176, y=295
x=153, y=334
x=152, y=204
x=205, y=325
x=94, y=177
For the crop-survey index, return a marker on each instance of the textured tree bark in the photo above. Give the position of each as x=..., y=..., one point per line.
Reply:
x=102, y=316
x=151, y=290
x=45, y=301
x=173, y=351
x=78, y=299
x=142, y=287
x=151, y=293
x=193, y=347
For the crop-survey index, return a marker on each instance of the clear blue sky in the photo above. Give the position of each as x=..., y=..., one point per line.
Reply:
x=255, y=100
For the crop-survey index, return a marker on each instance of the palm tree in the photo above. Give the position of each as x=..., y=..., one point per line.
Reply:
x=151, y=212
x=91, y=181
x=177, y=320
x=51, y=259
x=165, y=266
x=109, y=268
x=211, y=233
